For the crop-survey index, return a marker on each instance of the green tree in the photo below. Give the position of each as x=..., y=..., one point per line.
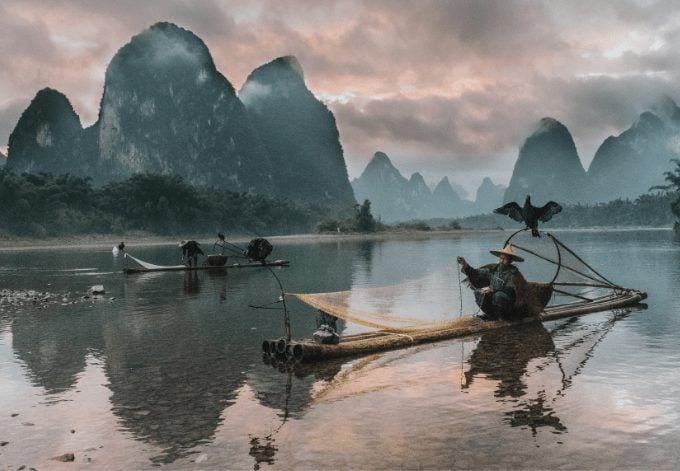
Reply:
x=363, y=219
x=673, y=179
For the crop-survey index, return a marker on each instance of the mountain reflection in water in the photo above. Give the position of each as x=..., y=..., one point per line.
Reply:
x=169, y=366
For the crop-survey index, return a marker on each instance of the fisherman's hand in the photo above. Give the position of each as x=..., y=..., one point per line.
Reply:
x=486, y=290
x=461, y=261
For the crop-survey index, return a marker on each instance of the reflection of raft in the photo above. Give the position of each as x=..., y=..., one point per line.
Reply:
x=360, y=344
x=574, y=278
x=213, y=264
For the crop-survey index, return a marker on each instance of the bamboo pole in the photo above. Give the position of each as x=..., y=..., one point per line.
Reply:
x=361, y=344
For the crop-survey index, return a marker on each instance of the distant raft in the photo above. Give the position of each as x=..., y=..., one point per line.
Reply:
x=570, y=277
x=218, y=263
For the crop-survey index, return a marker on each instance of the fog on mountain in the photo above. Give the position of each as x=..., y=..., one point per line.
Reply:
x=167, y=110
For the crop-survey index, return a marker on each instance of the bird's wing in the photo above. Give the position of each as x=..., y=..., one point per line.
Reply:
x=549, y=210
x=511, y=209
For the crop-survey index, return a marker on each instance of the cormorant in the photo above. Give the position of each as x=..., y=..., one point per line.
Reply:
x=529, y=214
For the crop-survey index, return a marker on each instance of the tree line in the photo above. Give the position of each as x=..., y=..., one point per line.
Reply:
x=649, y=210
x=44, y=205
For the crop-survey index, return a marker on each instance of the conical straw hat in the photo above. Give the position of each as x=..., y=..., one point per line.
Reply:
x=507, y=250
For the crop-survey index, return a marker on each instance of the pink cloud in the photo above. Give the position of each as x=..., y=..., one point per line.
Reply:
x=457, y=84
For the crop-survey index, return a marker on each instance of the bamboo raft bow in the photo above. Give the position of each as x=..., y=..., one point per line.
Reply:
x=535, y=295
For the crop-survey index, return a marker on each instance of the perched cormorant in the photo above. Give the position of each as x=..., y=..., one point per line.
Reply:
x=530, y=215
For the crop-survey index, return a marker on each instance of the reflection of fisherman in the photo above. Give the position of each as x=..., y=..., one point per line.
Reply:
x=503, y=355
x=494, y=284
x=190, y=251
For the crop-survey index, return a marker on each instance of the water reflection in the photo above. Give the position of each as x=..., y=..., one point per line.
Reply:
x=191, y=284
x=54, y=346
x=176, y=350
x=263, y=450
x=503, y=354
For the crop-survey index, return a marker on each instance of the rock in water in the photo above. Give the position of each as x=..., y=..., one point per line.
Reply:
x=96, y=289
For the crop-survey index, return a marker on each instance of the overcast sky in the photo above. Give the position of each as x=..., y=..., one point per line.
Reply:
x=443, y=87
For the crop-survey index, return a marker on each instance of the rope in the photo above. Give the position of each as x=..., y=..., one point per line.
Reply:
x=584, y=262
x=567, y=267
x=460, y=292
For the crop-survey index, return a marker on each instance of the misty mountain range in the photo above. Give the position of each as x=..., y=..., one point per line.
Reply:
x=548, y=168
x=395, y=198
x=167, y=110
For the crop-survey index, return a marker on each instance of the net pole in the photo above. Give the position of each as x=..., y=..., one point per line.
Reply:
x=286, y=317
x=586, y=264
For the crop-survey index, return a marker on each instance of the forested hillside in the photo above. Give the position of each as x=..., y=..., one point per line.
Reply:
x=649, y=210
x=42, y=205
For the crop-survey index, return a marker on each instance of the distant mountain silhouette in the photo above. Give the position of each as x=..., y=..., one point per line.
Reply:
x=549, y=168
x=489, y=196
x=385, y=187
x=447, y=203
x=626, y=166
x=299, y=133
x=394, y=198
x=47, y=137
x=418, y=198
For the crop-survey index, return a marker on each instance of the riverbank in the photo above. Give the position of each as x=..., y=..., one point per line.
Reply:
x=100, y=241
x=141, y=239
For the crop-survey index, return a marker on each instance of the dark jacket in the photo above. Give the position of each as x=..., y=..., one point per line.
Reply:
x=501, y=279
x=191, y=249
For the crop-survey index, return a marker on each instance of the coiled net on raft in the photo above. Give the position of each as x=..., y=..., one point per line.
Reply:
x=555, y=277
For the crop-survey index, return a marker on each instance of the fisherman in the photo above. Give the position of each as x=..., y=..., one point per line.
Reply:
x=190, y=251
x=494, y=284
x=118, y=249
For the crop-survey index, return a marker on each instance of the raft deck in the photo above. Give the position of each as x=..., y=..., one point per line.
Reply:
x=275, y=263
x=360, y=344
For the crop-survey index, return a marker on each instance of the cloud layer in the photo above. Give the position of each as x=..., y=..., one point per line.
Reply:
x=443, y=87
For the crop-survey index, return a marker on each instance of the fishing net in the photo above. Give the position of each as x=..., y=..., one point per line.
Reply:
x=554, y=276
x=151, y=266
x=414, y=304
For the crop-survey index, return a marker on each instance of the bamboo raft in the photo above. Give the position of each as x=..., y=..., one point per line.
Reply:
x=275, y=263
x=214, y=262
x=360, y=344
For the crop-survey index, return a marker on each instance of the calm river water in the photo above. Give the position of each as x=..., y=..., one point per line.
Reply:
x=166, y=369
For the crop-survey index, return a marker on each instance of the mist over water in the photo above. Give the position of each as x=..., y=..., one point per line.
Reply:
x=166, y=369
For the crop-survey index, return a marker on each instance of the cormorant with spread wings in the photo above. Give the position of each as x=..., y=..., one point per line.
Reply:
x=529, y=214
